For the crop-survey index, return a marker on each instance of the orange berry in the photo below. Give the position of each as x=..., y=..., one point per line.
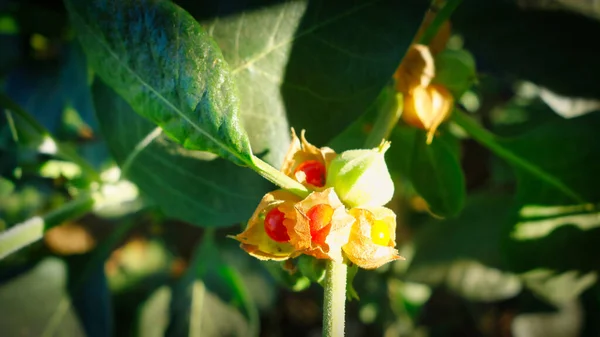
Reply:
x=320, y=222
x=314, y=171
x=274, y=226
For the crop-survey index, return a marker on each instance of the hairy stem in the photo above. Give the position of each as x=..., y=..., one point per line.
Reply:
x=389, y=114
x=57, y=148
x=490, y=141
x=28, y=232
x=334, y=310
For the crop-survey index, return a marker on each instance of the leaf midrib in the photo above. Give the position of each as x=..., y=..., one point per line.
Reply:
x=157, y=94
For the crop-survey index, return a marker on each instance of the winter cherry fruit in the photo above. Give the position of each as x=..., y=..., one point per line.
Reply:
x=274, y=226
x=320, y=222
x=314, y=171
x=380, y=233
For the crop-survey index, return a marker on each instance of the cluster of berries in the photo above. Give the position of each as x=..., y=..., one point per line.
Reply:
x=342, y=216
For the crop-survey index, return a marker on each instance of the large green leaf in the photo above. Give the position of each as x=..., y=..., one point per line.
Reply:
x=193, y=186
x=474, y=235
x=550, y=48
x=159, y=59
x=549, y=229
x=314, y=65
x=465, y=255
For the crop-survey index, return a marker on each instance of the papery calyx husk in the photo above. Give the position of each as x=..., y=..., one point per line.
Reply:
x=362, y=249
x=361, y=178
x=335, y=234
x=301, y=151
x=254, y=239
x=427, y=107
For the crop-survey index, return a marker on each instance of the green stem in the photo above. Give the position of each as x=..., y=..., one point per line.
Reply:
x=62, y=150
x=30, y=231
x=389, y=115
x=335, y=299
x=490, y=141
x=387, y=119
x=441, y=17
x=278, y=178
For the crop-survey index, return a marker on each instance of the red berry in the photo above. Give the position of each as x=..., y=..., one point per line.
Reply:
x=274, y=226
x=320, y=222
x=314, y=171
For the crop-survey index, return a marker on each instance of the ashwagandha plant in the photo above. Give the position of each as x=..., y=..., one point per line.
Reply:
x=328, y=212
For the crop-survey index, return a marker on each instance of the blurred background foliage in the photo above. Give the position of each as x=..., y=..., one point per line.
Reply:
x=492, y=249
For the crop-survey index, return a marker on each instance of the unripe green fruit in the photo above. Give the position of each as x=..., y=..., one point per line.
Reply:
x=360, y=178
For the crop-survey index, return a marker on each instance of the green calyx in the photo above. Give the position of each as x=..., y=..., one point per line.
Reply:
x=361, y=178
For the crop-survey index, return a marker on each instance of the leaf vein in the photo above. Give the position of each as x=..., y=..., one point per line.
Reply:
x=157, y=94
x=300, y=35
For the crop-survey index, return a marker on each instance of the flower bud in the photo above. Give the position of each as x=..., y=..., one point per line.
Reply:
x=361, y=177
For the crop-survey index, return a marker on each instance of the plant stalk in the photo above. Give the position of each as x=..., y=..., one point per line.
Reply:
x=442, y=15
x=386, y=120
x=334, y=308
x=278, y=178
x=489, y=140
x=29, y=231
x=392, y=111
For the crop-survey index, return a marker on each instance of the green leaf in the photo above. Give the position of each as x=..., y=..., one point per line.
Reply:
x=356, y=135
x=314, y=65
x=456, y=70
x=464, y=253
x=468, y=256
x=192, y=186
x=549, y=229
x=207, y=299
x=437, y=176
x=570, y=158
x=36, y=303
x=550, y=48
x=159, y=59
